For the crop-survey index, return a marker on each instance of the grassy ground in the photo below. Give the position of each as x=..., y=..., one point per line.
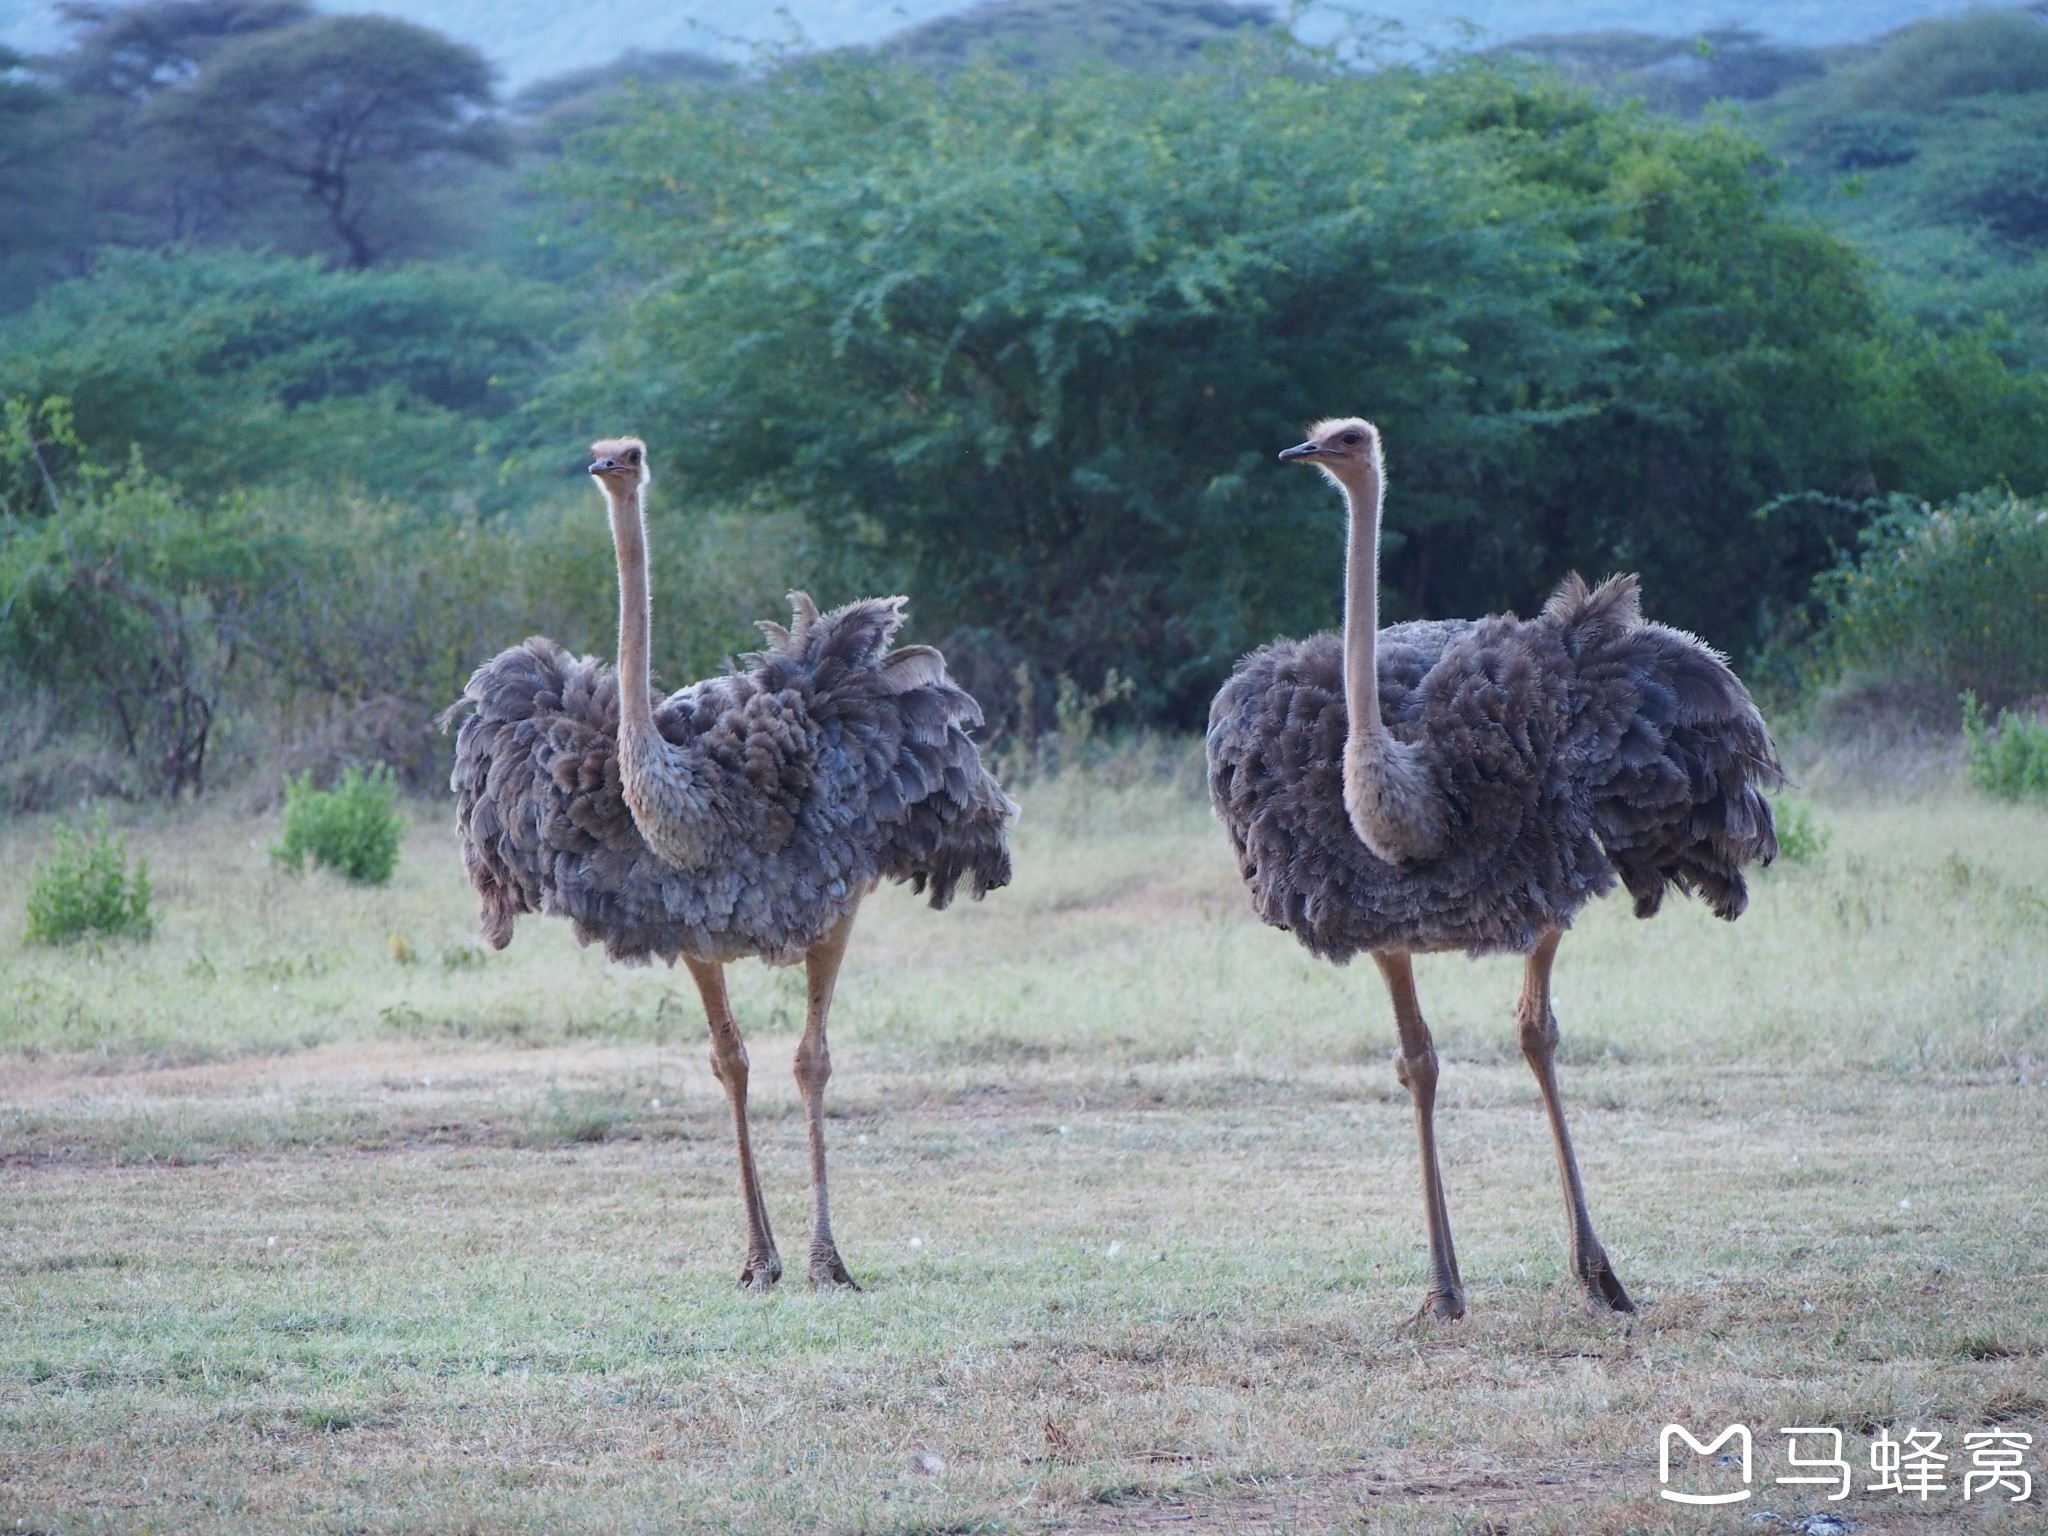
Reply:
x=313, y=1217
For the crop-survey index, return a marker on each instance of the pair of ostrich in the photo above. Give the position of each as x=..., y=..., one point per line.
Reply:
x=1446, y=785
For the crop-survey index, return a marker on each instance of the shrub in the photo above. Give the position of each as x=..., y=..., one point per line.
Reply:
x=352, y=829
x=2009, y=760
x=1951, y=598
x=1801, y=839
x=85, y=888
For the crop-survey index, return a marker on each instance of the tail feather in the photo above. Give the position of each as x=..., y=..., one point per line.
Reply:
x=945, y=819
x=1675, y=753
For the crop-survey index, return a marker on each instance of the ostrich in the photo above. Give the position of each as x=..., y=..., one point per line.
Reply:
x=1469, y=785
x=748, y=814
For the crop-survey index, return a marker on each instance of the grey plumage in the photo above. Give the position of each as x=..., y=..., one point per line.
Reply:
x=824, y=763
x=1570, y=748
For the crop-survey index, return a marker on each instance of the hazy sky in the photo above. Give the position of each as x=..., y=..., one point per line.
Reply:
x=531, y=38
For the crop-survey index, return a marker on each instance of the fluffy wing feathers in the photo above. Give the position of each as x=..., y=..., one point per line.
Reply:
x=829, y=762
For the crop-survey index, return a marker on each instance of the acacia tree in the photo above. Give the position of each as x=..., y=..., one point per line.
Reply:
x=118, y=182
x=349, y=112
x=131, y=52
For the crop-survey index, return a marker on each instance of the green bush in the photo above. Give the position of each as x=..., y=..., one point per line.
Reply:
x=2009, y=760
x=86, y=889
x=1801, y=838
x=1954, y=598
x=353, y=828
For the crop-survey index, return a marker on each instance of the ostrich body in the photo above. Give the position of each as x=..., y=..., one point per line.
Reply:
x=748, y=814
x=1469, y=785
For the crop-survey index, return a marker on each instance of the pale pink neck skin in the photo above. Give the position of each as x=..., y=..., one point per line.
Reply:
x=1363, y=487
x=629, y=539
x=1390, y=794
x=660, y=788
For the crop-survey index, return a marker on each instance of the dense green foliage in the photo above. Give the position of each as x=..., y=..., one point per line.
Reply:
x=231, y=369
x=1950, y=598
x=353, y=829
x=85, y=888
x=2009, y=760
x=1034, y=343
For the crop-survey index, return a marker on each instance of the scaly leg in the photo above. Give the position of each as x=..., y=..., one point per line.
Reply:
x=1415, y=1066
x=1539, y=1044
x=729, y=1066
x=813, y=1070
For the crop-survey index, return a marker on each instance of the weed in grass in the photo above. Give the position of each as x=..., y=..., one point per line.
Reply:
x=86, y=889
x=2010, y=759
x=353, y=829
x=1801, y=838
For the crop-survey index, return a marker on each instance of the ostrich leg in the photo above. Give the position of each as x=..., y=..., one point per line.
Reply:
x=1415, y=1066
x=813, y=1070
x=729, y=1066
x=1539, y=1045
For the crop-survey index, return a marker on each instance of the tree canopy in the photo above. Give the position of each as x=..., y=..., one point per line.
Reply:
x=1033, y=343
x=346, y=110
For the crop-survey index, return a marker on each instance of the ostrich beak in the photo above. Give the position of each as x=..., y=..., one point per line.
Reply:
x=604, y=466
x=1301, y=451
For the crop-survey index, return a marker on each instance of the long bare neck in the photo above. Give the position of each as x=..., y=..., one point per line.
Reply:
x=1363, y=492
x=1390, y=794
x=629, y=539
x=668, y=805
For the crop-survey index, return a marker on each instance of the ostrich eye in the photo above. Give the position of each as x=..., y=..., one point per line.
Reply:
x=632, y=455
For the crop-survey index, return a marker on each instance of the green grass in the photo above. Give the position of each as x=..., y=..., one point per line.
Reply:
x=313, y=1237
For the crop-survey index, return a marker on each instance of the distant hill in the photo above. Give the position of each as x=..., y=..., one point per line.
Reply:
x=530, y=39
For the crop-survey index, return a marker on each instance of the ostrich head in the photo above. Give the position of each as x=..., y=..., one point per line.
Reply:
x=620, y=464
x=1344, y=447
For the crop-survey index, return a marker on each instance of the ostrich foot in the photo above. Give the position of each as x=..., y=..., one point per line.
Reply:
x=1440, y=1306
x=1603, y=1290
x=761, y=1272
x=828, y=1273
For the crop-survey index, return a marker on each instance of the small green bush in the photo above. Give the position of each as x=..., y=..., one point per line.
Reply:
x=353, y=829
x=85, y=888
x=1801, y=838
x=2008, y=760
x=1952, y=597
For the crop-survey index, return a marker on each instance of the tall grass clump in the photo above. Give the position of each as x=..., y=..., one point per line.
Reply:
x=353, y=829
x=86, y=888
x=1946, y=600
x=2010, y=759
